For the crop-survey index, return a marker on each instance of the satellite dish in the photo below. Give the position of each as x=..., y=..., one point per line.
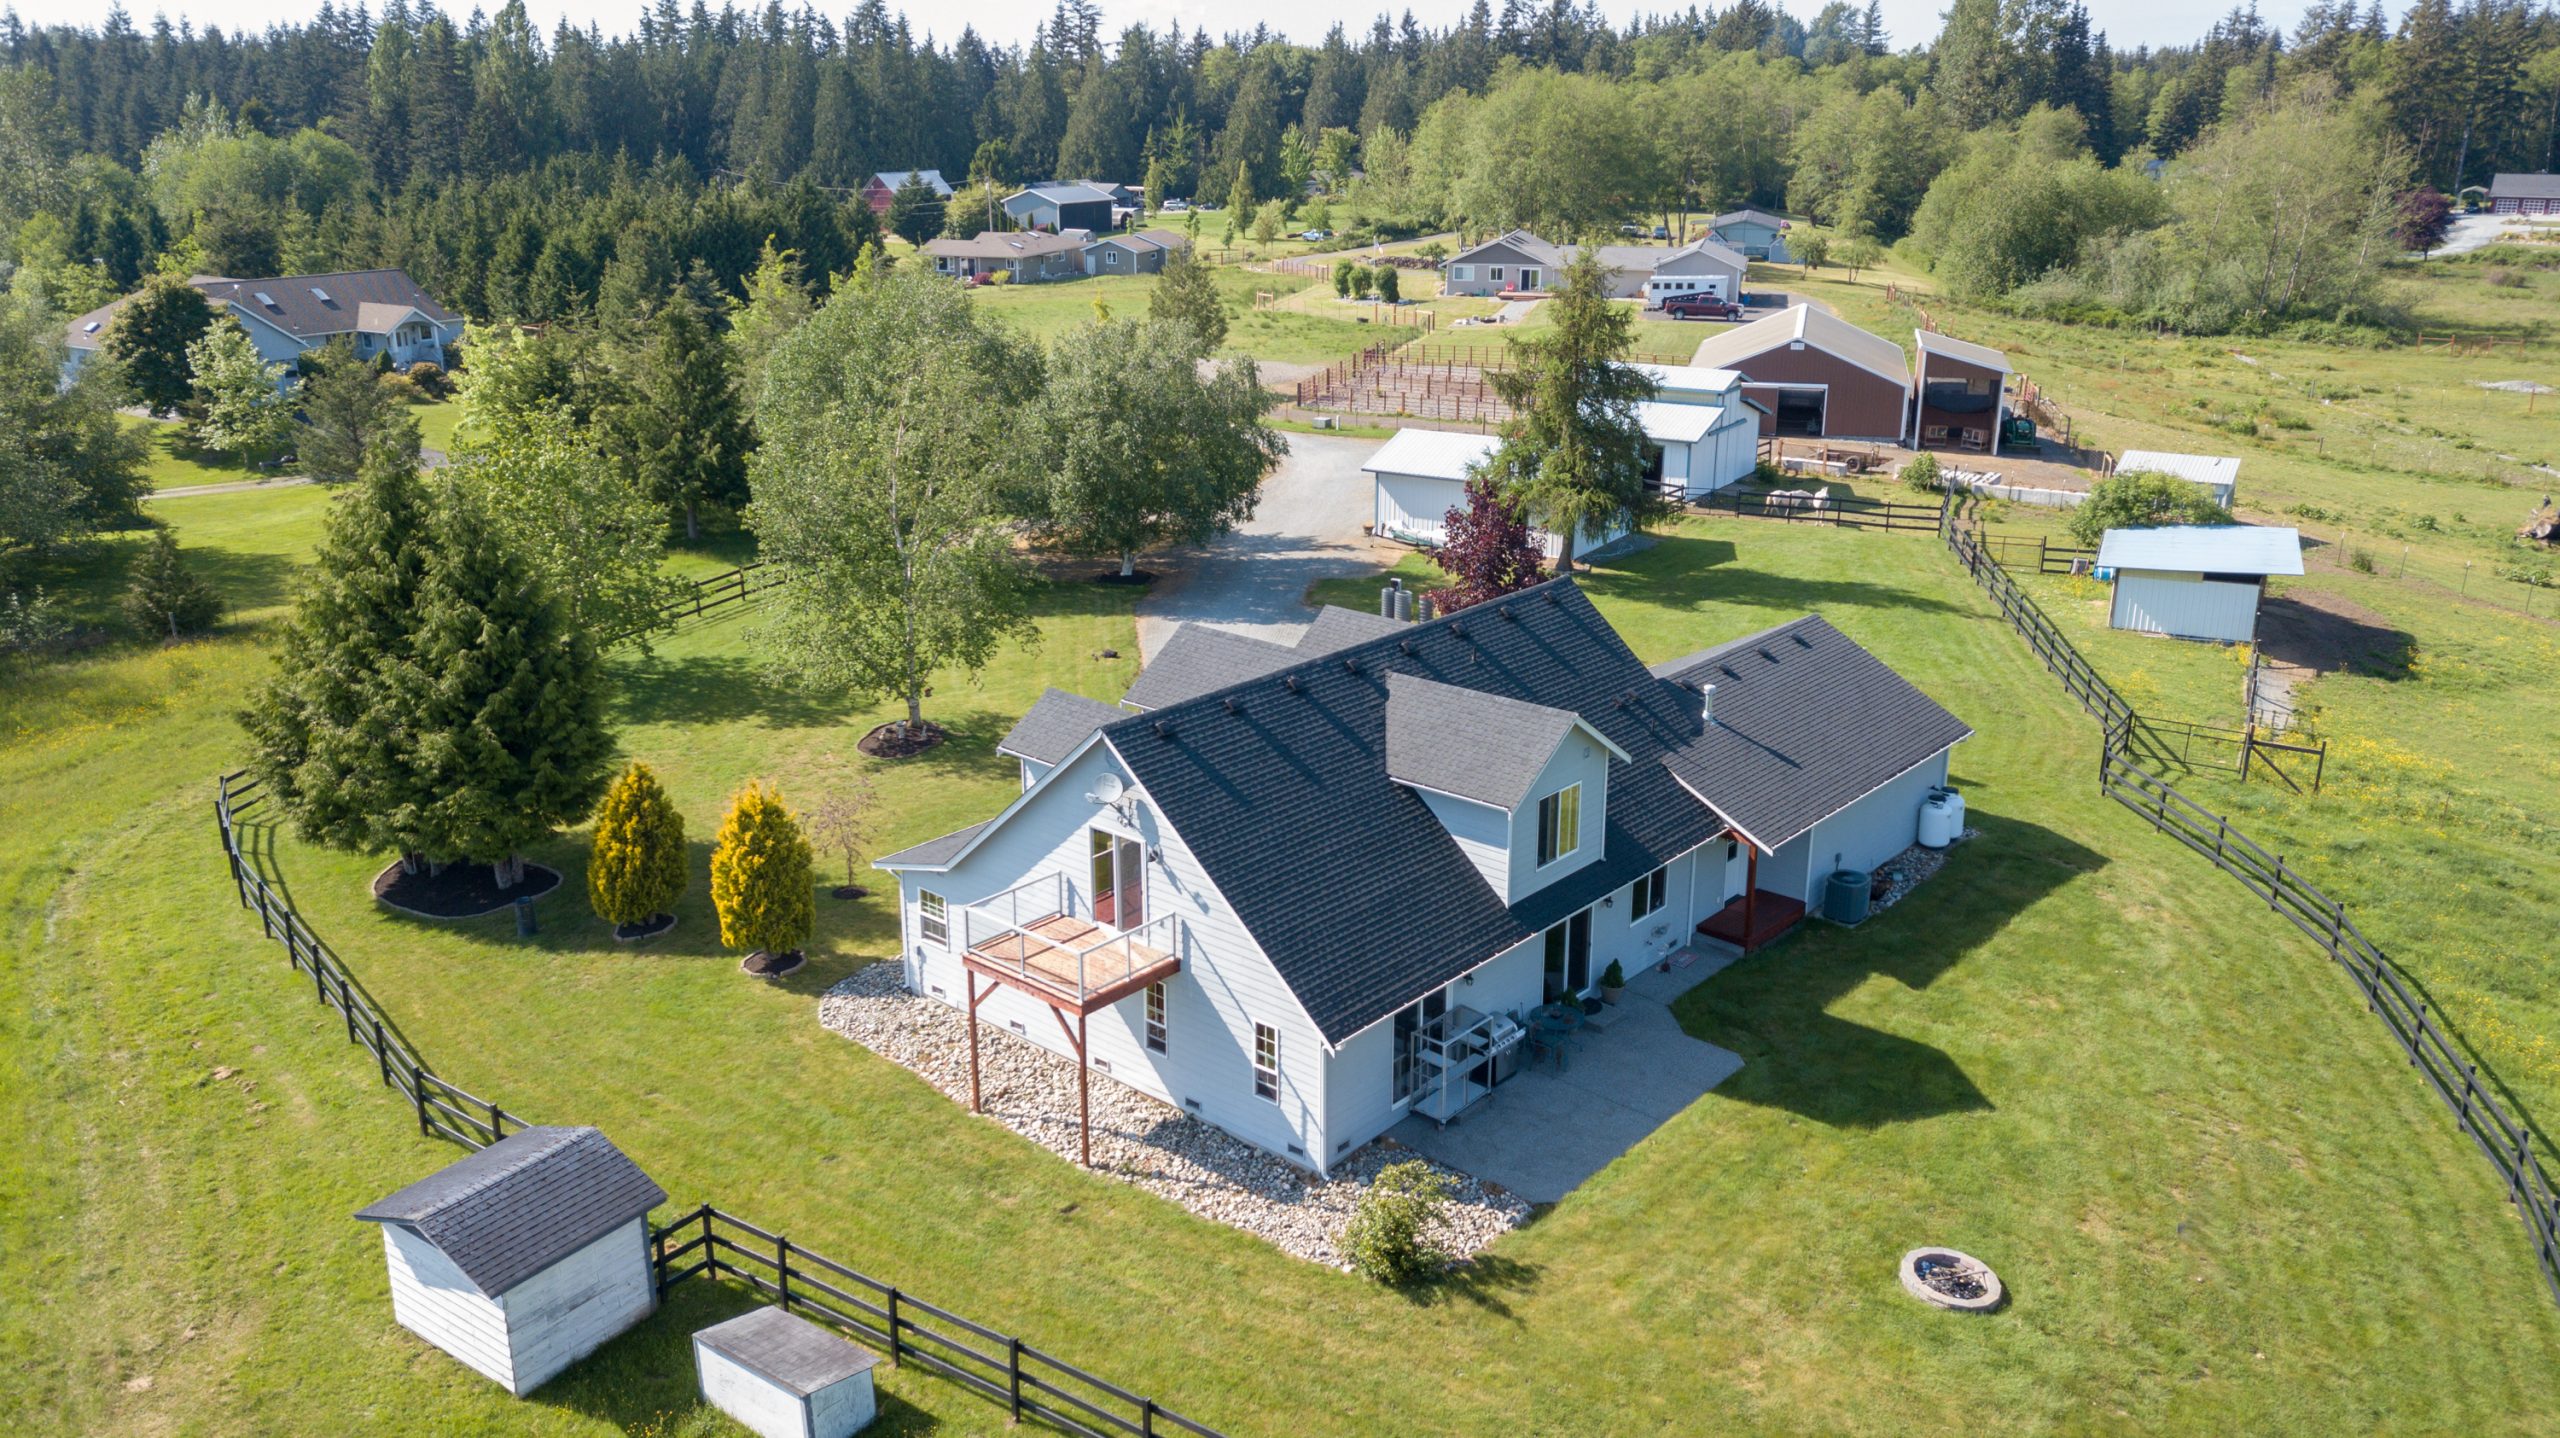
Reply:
x=1107, y=789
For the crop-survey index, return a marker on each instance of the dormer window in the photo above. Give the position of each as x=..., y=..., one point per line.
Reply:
x=1559, y=824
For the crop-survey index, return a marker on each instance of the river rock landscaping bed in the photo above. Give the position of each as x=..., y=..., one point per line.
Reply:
x=1910, y=869
x=1139, y=1139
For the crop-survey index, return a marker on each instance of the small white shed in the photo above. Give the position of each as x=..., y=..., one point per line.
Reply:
x=2195, y=581
x=784, y=1377
x=1421, y=474
x=524, y=1257
x=2218, y=473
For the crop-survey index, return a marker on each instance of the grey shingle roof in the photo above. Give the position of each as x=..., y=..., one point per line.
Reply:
x=1055, y=726
x=1395, y=909
x=522, y=1204
x=1806, y=723
x=366, y=301
x=1199, y=659
x=2524, y=187
x=1485, y=747
x=787, y=1349
x=933, y=852
x=1338, y=628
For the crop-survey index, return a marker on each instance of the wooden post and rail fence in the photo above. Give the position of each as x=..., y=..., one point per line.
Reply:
x=2482, y=1107
x=1029, y=1382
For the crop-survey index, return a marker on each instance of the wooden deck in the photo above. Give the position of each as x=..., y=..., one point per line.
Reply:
x=1055, y=960
x=1771, y=917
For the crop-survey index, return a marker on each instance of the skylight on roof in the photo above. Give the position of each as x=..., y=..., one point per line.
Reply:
x=321, y=295
x=90, y=328
x=266, y=299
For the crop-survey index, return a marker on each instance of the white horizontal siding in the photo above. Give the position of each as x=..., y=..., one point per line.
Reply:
x=1482, y=832
x=431, y=1298
x=569, y=1309
x=1416, y=508
x=1877, y=827
x=1578, y=760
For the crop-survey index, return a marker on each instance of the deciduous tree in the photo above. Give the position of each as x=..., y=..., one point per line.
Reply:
x=149, y=338
x=2134, y=499
x=240, y=409
x=891, y=448
x=580, y=520
x=1489, y=550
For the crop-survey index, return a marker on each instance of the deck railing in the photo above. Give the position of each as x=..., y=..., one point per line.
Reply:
x=1005, y=931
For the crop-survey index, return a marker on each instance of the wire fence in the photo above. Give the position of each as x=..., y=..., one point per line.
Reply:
x=1030, y=1382
x=2479, y=1102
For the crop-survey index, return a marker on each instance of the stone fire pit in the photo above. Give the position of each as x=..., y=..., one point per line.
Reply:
x=1951, y=1279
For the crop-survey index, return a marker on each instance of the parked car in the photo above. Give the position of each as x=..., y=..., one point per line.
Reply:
x=1662, y=232
x=1632, y=230
x=1175, y=207
x=1701, y=307
x=1316, y=235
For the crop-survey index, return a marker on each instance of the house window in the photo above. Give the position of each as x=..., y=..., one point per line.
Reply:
x=1494, y=274
x=933, y=918
x=1111, y=257
x=1266, y=1062
x=1155, y=1017
x=1462, y=273
x=1559, y=824
x=1646, y=896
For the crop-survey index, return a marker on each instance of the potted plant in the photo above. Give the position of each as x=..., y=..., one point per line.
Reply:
x=1613, y=982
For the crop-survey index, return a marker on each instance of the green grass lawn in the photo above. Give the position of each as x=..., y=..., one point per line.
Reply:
x=1045, y=311
x=2221, y=1200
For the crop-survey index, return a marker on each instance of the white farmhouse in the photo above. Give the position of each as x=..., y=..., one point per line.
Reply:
x=524, y=1257
x=1265, y=896
x=2195, y=581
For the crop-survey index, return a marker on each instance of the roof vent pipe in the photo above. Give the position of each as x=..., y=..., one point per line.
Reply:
x=1707, y=702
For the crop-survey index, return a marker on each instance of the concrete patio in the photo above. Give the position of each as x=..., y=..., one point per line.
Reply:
x=1546, y=1131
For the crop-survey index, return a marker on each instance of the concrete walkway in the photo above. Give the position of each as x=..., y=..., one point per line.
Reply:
x=1514, y=311
x=2472, y=232
x=1307, y=527
x=1545, y=1132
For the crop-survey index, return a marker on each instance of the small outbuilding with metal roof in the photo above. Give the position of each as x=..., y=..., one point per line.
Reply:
x=524, y=1257
x=1816, y=375
x=2195, y=581
x=2218, y=473
x=1964, y=393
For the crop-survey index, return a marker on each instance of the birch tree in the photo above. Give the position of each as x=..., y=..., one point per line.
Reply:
x=893, y=448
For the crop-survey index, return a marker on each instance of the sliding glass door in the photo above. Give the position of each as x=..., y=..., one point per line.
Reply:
x=1569, y=957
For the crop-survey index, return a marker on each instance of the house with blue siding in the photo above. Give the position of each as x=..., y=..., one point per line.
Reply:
x=380, y=313
x=1264, y=886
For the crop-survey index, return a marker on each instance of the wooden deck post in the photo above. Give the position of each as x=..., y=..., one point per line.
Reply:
x=1084, y=1096
x=975, y=1106
x=1750, y=894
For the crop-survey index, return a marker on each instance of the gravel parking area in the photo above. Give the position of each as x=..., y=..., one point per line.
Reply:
x=1137, y=1138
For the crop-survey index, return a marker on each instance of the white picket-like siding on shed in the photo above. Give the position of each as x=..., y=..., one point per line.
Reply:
x=566, y=1311
x=1226, y=985
x=431, y=1298
x=2188, y=606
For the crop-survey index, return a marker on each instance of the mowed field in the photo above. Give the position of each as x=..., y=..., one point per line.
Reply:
x=2221, y=1200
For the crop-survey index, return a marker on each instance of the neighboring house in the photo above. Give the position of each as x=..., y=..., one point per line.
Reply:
x=1815, y=375
x=1140, y=254
x=379, y=311
x=1265, y=902
x=1757, y=233
x=2524, y=195
x=1521, y=263
x=2218, y=473
x=525, y=1256
x=1963, y=390
x=880, y=189
x=1062, y=207
x=2195, y=581
x=1514, y=263
x=1027, y=256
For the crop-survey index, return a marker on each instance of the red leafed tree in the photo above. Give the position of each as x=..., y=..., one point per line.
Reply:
x=1491, y=551
x=2425, y=217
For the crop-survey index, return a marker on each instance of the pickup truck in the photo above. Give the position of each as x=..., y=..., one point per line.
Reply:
x=1701, y=307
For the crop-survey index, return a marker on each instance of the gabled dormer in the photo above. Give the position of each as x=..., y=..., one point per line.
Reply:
x=1522, y=788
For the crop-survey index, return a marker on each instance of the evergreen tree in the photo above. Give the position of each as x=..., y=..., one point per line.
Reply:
x=761, y=879
x=499, y=702
x=915, y=211
x=240, y=410
x=1573, y=456
x=685, y=425
x=636, y=869
x=149, y=339
x=352, y=419
x=1186, y=295
x=166, y=597
x=325, y=733
x=1240, y=196
x=776, y=303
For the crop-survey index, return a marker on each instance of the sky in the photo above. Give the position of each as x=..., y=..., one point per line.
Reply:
x=2128, y=23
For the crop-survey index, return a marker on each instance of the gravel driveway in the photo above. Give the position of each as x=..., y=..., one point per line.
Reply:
x=1307, y=527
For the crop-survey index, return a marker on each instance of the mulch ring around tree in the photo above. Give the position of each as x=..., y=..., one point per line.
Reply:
x=648, y=928
x=851, y=891
x=461, y=891
x=772, y=966
x=886, y=742
x=1113, y=576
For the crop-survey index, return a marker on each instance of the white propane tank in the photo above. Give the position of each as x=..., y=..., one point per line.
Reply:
x=1938, y=822
x=1955, y=813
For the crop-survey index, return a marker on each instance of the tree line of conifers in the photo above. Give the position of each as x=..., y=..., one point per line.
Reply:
x=906, y=462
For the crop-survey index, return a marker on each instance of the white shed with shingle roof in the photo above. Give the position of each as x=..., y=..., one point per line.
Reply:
x=524, y=1257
